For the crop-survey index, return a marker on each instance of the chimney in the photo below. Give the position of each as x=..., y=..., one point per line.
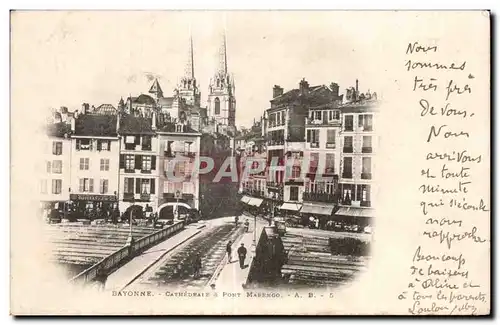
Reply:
x=357, y=91
x=73, y=125
x=85, y=108
x=335, y=89
x=118, y=116
x=303, y=86
x=277, y=91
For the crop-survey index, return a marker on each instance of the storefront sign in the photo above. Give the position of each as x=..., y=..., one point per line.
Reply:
x=90, y=197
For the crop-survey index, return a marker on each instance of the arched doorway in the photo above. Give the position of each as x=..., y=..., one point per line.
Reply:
x=136, y=210
x=169, y=210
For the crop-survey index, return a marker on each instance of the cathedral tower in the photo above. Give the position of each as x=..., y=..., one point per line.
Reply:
x=188, y=88
x=221, y=92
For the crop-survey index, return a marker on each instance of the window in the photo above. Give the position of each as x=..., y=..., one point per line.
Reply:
x=317, y=115
x=57, y=166
x=168, y=187
x=146, y=142
x=178, y=128
x=330, y=188
x=43, y=186
x=366, y=172
x=348, y=144
x=49, y=167
x=83, y=144
x=86, y=185
x=283, y=118
x=313, y=136
x=330, y=163
x=129, y=185
x=217, y=106
x=104, y=164
x=145, y=186
x=84, y=163
x=366, y=122
x=57, y=148
x=129, y=162
x=367, y=144
x=130, y=142
x=294, y=193
x=333, y=115
x=313, y=162
x=348, y=123
x=56, y=186
x=103, y=186
x=330, y=136
x=295, y=171
x=347, y=170
x=146, y=162
x=103, y=145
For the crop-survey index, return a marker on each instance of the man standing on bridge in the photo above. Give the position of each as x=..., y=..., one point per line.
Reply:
x=242, y=254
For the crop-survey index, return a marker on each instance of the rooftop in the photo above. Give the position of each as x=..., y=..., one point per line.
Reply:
x=130, y=124
x=96, y=125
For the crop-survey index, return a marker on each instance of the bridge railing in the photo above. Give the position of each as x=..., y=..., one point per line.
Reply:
x=110, y=262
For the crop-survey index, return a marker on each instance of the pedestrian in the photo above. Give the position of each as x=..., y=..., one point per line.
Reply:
x=228, y=250
x=197, y=266
x=242, y=254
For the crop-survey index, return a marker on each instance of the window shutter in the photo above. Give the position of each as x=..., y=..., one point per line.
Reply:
x=91, y=185
x=138, y=162
x=54, y=148
x=137, y=140
x=101, y=186
x=125, y=187
x=77, y=144
x=152, y=182
x=122, y=161
x=360, y=120
x=308, y=136
x=153, y=162
x=99, y=145
x=138, y=185
x=109, y=145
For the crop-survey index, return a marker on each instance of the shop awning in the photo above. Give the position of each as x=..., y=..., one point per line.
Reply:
x=323, y=209
x=290, y=206
x=355, y=212
x=245, y=199
x=255, y=201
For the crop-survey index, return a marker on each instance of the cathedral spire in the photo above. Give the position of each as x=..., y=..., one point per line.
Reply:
x=189, y=69
x=223, y=55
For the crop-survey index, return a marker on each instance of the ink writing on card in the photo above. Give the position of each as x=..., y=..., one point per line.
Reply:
x=449, y=202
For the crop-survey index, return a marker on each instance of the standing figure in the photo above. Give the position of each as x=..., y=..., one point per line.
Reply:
x=228, y=251
x=242, y=254
x=197, y=266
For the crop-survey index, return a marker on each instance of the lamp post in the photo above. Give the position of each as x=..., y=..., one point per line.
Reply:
x=130, y=238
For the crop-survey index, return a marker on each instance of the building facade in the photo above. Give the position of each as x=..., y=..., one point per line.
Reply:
x=138, y=167
x=94, y=165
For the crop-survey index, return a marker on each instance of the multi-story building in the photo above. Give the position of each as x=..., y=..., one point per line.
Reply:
x=323, y=151
x=359, y=145
x=138, y=167
x=179, y=148
x=55, y=167
x=286, y=132
x=94, y=165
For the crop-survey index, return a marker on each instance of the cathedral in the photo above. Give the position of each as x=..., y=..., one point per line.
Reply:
x=184, y=105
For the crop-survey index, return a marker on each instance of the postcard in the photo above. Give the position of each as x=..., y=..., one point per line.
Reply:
x=250, y=163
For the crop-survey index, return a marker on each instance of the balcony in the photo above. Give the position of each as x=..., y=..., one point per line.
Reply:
x=314, y=144
x=321, y=122
x=348, y=128
x=366, y=149
x=329, y=170
x=129, y=171
x=146, y=197
x=275, y=142
x=254, y=193
x=128, y=196
x=319, y=197
x=184, y=196
x=130, y=146
x=347, y=175
x=365, y=204
x=330, y=145
x=145, y=171
x=366, y=175
x=146, y=147
x=347, y=149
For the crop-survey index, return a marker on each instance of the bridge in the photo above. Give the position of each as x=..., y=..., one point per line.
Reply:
x=164, y=257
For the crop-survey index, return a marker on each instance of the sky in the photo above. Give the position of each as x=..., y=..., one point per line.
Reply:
x=97, y=57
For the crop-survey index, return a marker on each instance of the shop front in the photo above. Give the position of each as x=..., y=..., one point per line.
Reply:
x=358, y=217
x=290, y=211
x=92, y=207
x=317, y=215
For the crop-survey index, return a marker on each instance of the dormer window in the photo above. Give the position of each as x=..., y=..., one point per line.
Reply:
x=179, y=128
